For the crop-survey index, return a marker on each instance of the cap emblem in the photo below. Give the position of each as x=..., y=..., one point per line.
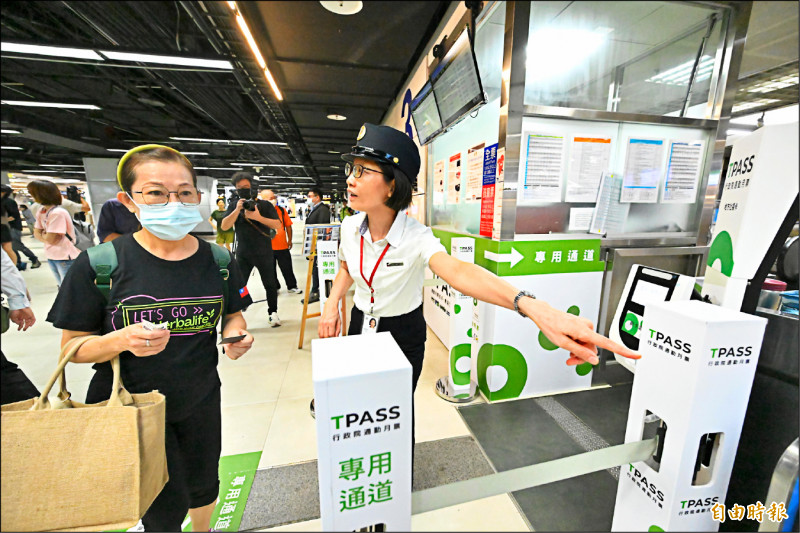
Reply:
x=361, y=133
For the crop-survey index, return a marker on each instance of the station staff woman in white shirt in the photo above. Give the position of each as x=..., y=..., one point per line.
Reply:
x=385, y=253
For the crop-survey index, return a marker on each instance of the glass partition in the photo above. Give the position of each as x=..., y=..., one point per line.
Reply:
x=635, y=57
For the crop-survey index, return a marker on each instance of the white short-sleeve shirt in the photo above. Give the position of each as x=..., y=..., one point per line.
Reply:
x=398, y=280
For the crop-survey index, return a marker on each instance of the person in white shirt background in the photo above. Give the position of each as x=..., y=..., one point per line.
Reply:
x=385, y=253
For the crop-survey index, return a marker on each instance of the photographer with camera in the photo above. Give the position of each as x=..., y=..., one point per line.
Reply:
x=255, y=222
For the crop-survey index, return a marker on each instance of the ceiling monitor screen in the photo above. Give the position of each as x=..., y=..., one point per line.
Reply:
x=457, y=83
x=426, y=117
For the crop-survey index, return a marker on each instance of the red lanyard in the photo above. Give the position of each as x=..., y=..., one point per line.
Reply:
x=372, y=276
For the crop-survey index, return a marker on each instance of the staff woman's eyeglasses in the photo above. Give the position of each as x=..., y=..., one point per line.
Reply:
x=357, y=170
x=157, y=195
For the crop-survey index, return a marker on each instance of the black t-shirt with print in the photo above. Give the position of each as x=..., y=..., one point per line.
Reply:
x=185, y=293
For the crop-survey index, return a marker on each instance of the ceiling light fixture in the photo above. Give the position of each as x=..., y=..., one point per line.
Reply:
x=248, y=36
x=224, y=141
x=336, y=116
x=341, y=7
x=10, y=131
x=168, y=60
x=57, y=165
x=194, y=153
x=11, y=147
x=250, y=40
x=56, y=51
x=267, y=165
x=750, y=105
x=216, y=168
x=27, y=103
x=117, y=150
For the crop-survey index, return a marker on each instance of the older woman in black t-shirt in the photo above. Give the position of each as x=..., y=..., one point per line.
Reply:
x=164, y=275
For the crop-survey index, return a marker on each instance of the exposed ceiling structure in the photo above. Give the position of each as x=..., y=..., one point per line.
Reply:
x=347, y=67
x=324, y=64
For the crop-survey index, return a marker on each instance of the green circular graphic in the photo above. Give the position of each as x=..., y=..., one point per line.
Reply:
x=509, y=358
x=457, y=308
x=457, y=352
x=722, y=249
x=630, y=317
x=583, y=369
x=475, y=302
x=546, y=343
x=469, y=333
x=654, y=529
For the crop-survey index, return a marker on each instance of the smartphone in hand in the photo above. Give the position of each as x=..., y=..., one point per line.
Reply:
x=231, y=340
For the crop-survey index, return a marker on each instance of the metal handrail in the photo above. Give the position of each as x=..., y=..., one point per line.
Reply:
x=783, y=479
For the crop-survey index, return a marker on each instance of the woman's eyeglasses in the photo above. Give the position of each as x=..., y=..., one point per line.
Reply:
x=156, y=195
x=357, y=171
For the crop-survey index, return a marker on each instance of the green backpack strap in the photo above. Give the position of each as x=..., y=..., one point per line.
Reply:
x=103, y=259
x=223, y=258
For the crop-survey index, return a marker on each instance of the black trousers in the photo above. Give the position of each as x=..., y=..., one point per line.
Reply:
x=18, y=246
x=283, y=258
x=14, y=384
x=410, y=332
x=266, y=268
x=193, y=447
x=315, y=277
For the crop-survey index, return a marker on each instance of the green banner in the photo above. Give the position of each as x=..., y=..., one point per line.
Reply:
x=236, y=474
x=525, y=258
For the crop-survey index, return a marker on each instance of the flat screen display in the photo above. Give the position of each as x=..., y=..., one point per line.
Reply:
x=456, y=82
x=425, y=113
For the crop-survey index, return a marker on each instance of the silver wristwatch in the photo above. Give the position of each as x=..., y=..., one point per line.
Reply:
x=516, y=301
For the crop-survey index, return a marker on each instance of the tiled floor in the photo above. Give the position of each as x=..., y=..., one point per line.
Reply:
x=266, y=393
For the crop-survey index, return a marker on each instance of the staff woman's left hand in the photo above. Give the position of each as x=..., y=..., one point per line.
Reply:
x=235, y=350
x=573, y=333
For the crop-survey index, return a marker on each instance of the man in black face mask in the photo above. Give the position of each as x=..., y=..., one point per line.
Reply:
x=252, y=220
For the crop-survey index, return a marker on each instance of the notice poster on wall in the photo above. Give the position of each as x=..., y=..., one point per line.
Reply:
x=454, y=179
x=498, y=193
x=438, y=182
x=683, y=172
x=489, y=182
x=542, y=167
x=580, y=218
x=474, y=174
x=642, y=170
x=588, y=160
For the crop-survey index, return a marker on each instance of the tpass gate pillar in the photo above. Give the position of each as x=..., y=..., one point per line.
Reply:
x=691, y=388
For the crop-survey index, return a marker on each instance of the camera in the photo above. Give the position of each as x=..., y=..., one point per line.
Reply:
x=73, y=194
x=249, y=200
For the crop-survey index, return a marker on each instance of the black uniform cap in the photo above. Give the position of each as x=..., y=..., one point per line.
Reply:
x=389, y=146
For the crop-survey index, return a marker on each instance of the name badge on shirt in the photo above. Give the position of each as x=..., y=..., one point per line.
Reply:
x=370, y=324
x=395, y=263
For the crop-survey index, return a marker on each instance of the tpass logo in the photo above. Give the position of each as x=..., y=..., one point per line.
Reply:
x=670, y=341
x=743, y=166
x=351, y=419
x=701, y=502
x=641, y=480
x=738, y=351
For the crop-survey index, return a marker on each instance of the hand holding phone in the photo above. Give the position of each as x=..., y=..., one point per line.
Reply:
x=231, y=340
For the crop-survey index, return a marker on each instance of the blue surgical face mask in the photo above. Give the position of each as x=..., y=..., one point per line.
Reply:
x=171, y=222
